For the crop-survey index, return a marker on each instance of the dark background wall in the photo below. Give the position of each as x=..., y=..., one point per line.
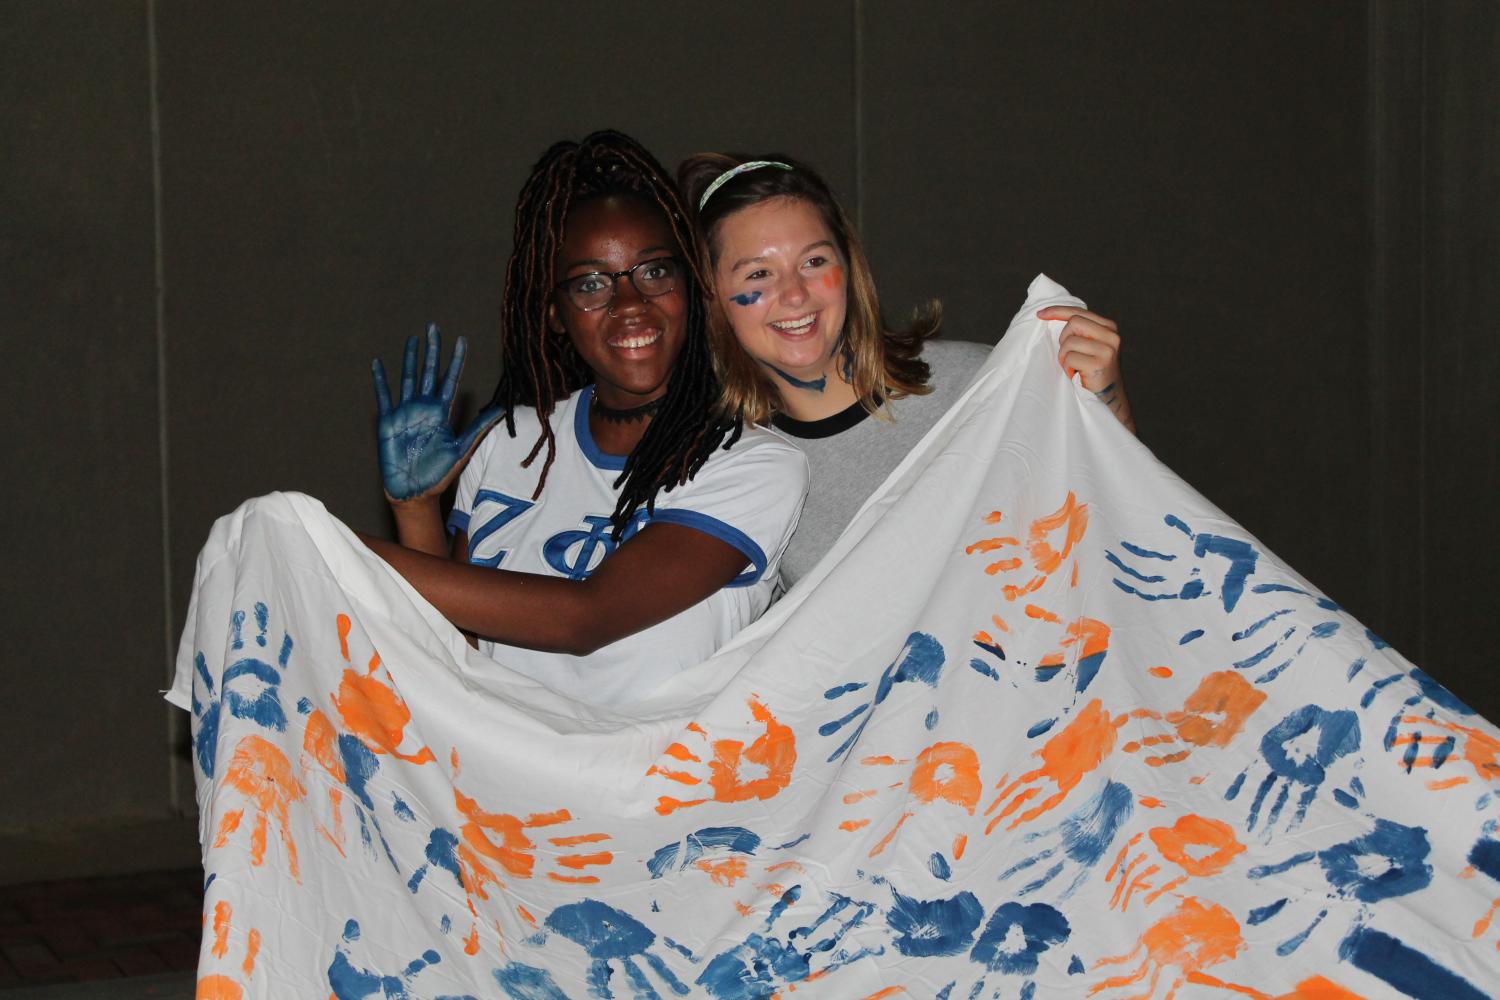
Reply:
x=212, y=216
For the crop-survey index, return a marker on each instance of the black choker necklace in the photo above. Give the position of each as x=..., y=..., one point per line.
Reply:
x=631, y=415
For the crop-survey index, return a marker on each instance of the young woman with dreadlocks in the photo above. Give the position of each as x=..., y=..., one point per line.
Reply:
x=618, y=528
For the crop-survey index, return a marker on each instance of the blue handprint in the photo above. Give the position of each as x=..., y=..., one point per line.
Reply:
x=349, y=982
x=419, y=454
x=612, y=935
x=761, y=965
x=920, y=659
x=1389, y=861
x=1298, y=750
x=1144, y=582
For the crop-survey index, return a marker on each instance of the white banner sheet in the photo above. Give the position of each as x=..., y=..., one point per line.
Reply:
x=1044, y=723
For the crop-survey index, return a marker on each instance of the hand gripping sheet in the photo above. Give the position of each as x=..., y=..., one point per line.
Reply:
x=1044, y=723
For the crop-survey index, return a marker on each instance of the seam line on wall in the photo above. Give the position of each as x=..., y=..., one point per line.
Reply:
x=859, y=116
x=173, y=721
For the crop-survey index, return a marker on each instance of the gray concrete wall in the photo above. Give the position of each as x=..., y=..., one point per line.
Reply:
x=1290, y=208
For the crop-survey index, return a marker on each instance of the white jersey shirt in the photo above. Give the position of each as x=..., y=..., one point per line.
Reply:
x=749, y=497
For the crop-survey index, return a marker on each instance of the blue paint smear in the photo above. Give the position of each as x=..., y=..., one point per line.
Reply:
x=932, y=719
x=442, y=852
x=1234, y=787
x=523, y=982
x=1087, y=834
x=928, y=927
x=1088, y=669
x=1250, y=630
x=1344, y=799
x=1075, y=967
x=1136, y=550
x=681, y=949
x=1242, y=558
x=1190, y=636
x=736, y=839
x=811, y=385
x=1173, y=521
x=792, y=843
x=401, y=809
x=1376, y=641
x=745, y=298
x=609, y=934
x=1261, y=914
x=1040, y=728
x=1355, y=668
x=991, y=647
x=304, y=706
x=1294, y=942
x=1115, y=560
x=1485, y=857
x=1393, y=962
x=843, y=689
x=1261, y=871
x=1324, y=629
x=938, y=865
x=360, y=765
x=980, y=667
x=1438, y=694
x=1041, y=927
x=446, y=924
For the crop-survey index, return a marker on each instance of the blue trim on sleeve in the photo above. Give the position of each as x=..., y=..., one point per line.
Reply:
x=727, y=533
x=458, y=520
x=598, y=459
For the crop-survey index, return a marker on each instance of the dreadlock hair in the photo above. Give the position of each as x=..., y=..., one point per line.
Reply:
x=541, y=367
x=880, y=361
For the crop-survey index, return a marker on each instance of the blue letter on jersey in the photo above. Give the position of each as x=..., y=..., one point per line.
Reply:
x=510, y=509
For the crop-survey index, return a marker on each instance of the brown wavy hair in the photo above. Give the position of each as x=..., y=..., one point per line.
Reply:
x=880, y=361
x=541, y=367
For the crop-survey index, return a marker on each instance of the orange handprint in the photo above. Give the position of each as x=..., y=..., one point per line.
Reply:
x=1069, y=521
x=946, y=770
x=1066, y=758
x=219, y=986
x=1199, y=846
x=1189, y=939
x=773, y=752
x=261, y=773
x=1213, y=715
x=371, y=708
x=1475, y=747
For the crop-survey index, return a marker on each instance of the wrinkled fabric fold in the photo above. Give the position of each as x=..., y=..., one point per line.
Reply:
x=1044, y=722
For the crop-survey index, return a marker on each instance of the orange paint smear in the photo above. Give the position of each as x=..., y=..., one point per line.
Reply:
x=526, y=915
x=579, y=861
x=959, y=844
x=726, y=872
x=681, y=777
x=1151, y=802
x=854, y=824
x=993, y=517
x=854, y=797
x=681, y=752
x=582, y=838
x=1160, y=671
x=786, y=865
x=884, y=841
x=1032, y=611
x=889, y=991
x=574, y=879
x=471, y=943
x=880, y=760
x=1438, y=786
x=1182, y=842
x=252, y=949
x=222, y=913
x=1000, y=623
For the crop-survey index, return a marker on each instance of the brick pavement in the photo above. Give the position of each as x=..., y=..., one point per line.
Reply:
x=100, y=928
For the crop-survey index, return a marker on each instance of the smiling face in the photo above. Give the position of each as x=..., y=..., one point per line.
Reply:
x=632, y=343
x=782, y=282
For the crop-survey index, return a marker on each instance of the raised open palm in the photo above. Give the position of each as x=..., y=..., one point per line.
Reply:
x=419, y=454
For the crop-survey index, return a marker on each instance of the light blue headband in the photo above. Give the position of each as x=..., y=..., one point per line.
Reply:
x=734, y=172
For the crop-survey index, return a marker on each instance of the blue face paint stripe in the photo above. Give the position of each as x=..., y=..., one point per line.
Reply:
x=745, y=298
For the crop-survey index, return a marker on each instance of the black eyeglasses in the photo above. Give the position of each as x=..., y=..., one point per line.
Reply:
x=596, y=289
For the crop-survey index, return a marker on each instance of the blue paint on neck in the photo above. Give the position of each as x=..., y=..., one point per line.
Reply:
x=813, y=385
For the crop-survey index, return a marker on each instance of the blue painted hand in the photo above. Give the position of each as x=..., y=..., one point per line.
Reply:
x=419, y=453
